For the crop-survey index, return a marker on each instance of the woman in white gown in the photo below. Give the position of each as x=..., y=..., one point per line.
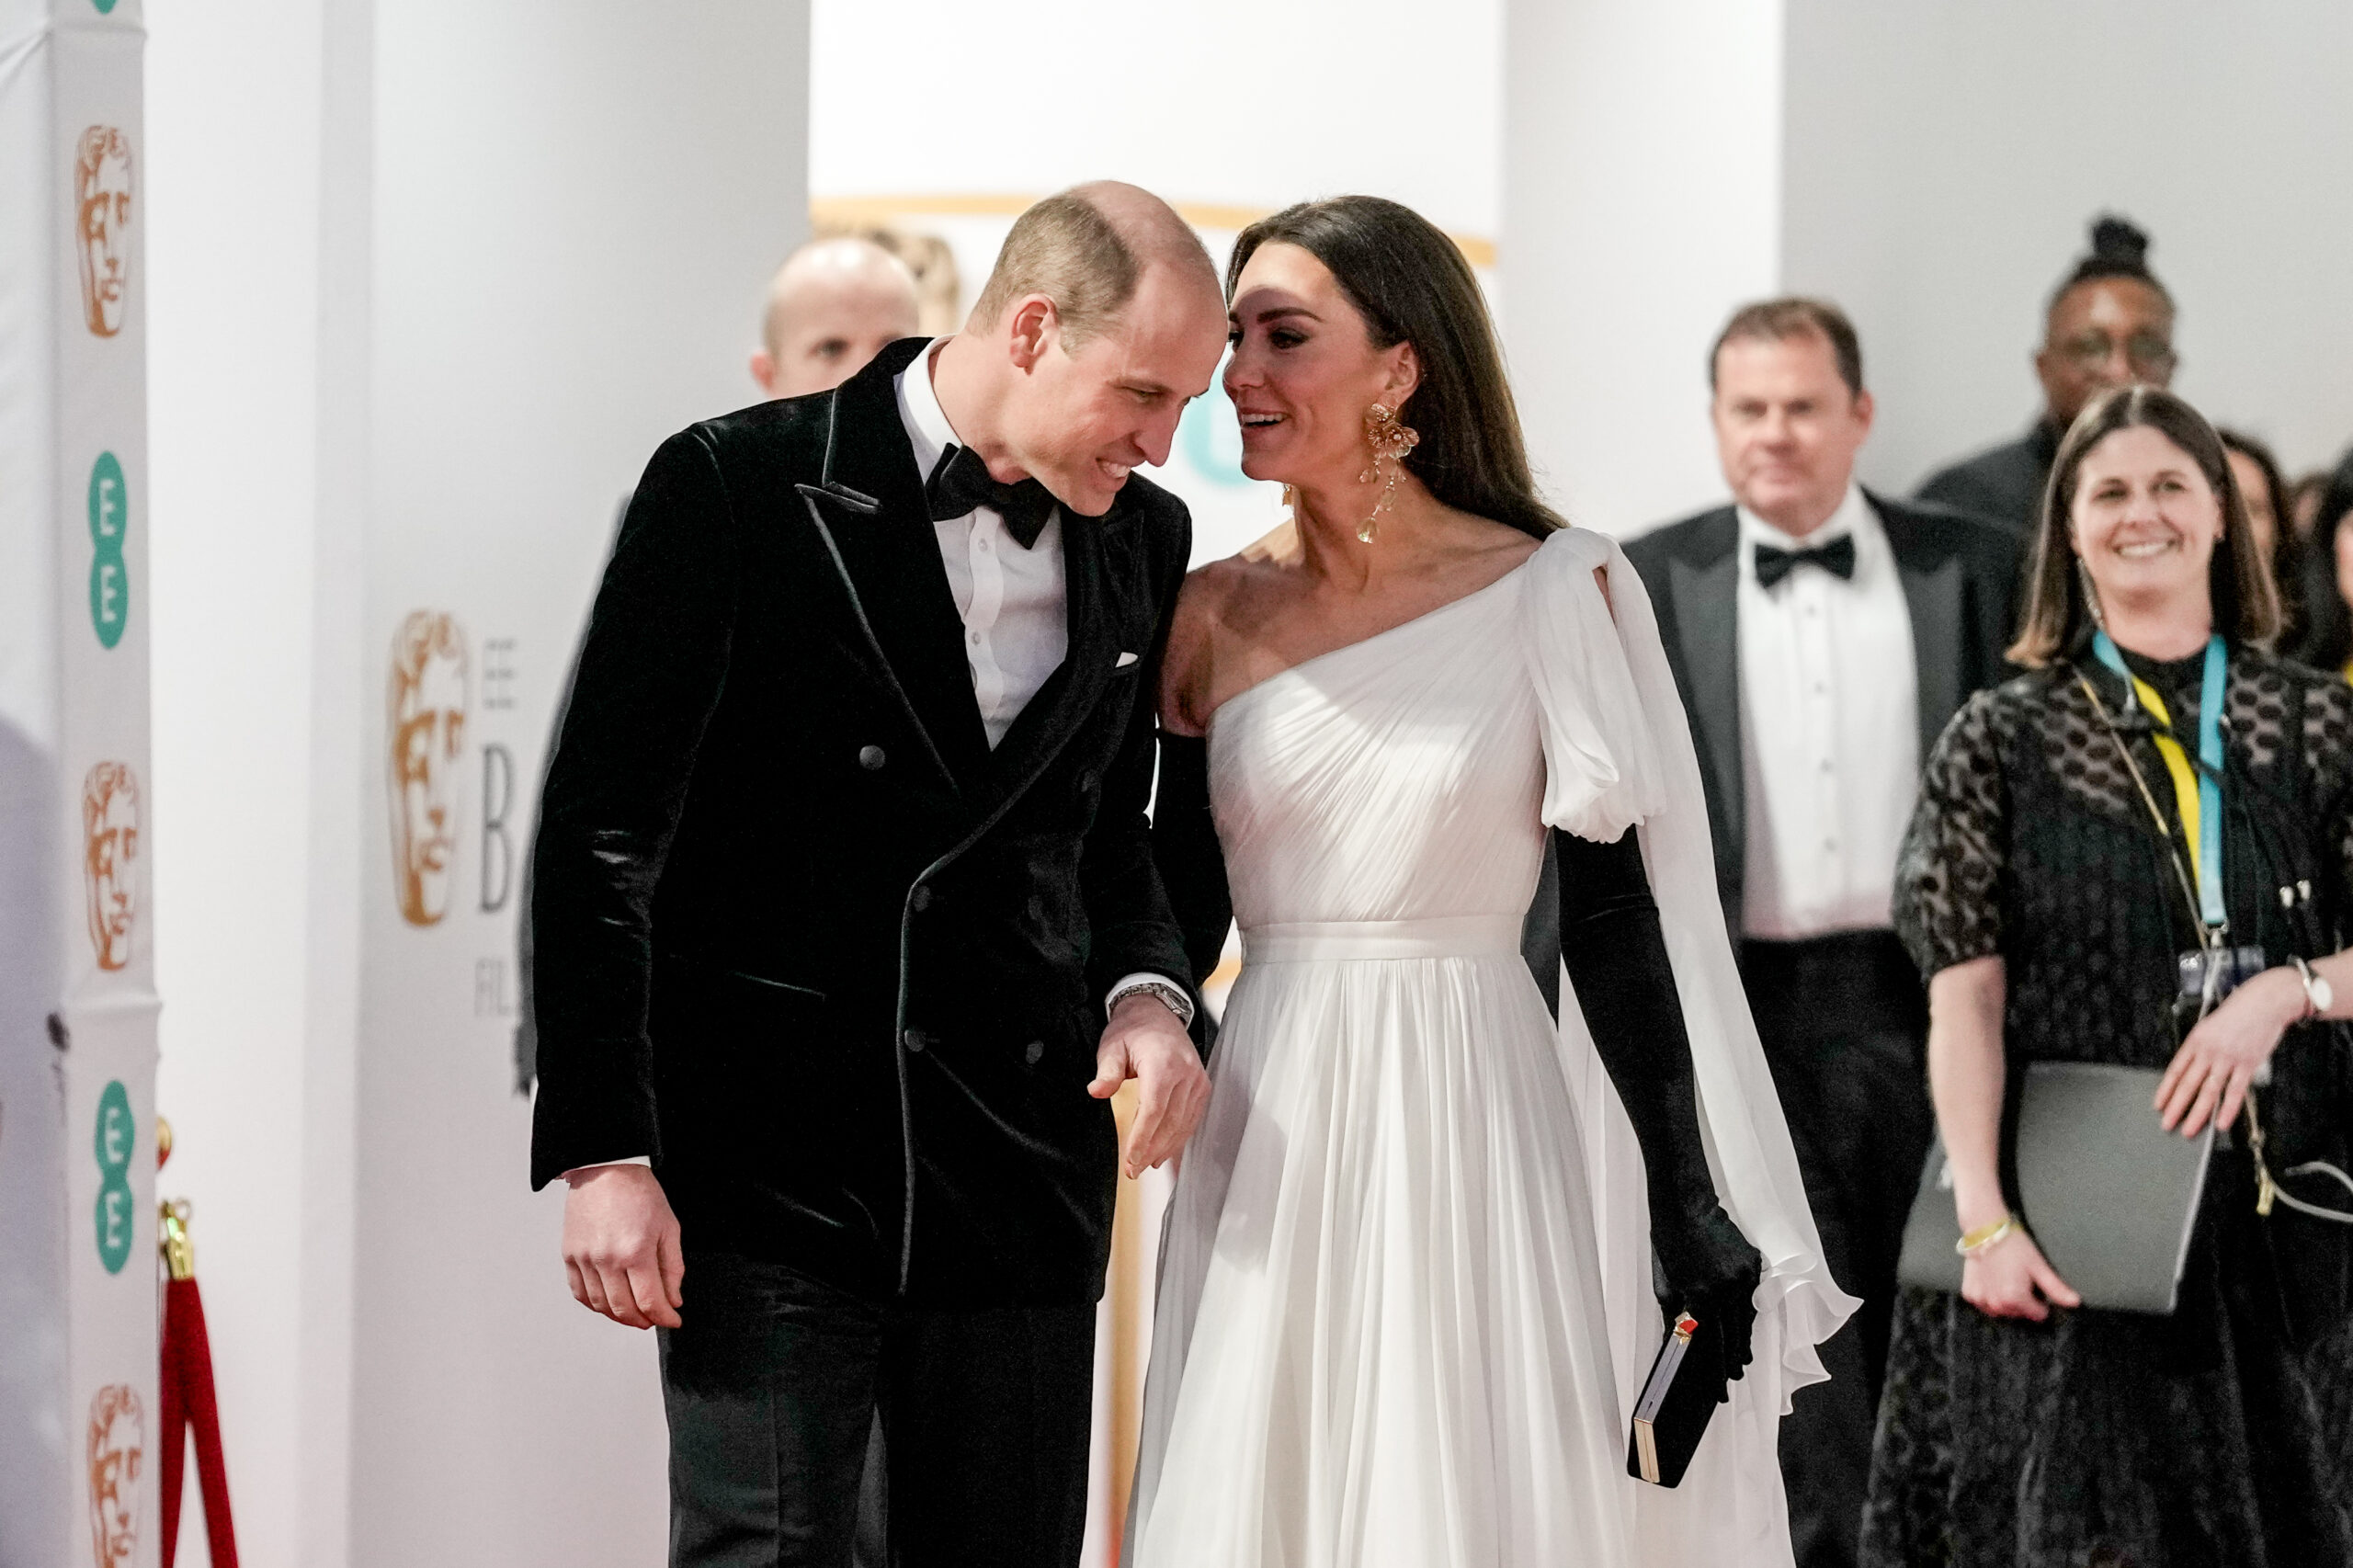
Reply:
x=1406, y=1285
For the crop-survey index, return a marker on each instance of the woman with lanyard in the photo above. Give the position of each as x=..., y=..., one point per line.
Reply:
x=2140, y=853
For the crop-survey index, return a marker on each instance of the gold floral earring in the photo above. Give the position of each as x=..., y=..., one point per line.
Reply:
x=1390, y=441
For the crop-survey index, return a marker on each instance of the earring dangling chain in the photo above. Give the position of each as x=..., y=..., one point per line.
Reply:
x=1390, y=441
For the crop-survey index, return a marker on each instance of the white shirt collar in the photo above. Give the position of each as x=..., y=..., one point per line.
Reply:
x=928, y=428
x=1853, y=517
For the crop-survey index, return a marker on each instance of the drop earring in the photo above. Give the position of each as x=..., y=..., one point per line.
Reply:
x=2091, y=593
x=1389, y=441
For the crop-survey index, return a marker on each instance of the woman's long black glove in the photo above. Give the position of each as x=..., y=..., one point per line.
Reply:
x=1617, y=961
x=1192, y=866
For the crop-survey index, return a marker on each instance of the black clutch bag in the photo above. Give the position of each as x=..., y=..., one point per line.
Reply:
x=1671, y=1414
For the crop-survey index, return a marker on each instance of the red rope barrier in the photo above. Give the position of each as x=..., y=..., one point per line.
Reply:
x=188, y=1402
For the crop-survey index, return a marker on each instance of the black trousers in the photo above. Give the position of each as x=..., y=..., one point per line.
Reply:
x=1844, y=1021
x=772, y=1388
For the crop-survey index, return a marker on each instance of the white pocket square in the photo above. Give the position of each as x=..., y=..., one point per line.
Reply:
x=1124, y=661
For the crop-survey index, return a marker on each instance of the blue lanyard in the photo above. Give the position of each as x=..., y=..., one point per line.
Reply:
x=2209, y=762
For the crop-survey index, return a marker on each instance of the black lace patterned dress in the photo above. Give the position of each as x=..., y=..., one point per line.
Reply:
x=2222, y=1435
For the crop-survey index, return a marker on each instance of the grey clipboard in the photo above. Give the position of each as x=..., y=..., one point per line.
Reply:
x=2110, y=1196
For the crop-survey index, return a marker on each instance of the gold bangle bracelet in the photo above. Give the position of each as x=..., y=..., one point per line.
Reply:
x=1985, y=1236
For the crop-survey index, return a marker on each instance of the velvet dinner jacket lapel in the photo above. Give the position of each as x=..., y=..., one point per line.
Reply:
x=870, y=511
x=1706, y=585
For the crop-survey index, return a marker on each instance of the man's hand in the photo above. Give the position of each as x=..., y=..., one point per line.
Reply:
x=620, y=1246
x=1145, y=1042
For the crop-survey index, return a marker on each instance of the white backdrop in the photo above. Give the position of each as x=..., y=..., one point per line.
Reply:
x=436, y=279
x=1945, y=159
x=575, y=206
x=1934, y=168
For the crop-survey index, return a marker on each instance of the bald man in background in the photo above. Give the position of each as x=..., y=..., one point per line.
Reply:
x=834, y=305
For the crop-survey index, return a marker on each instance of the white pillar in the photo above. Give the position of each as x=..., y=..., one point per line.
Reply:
x=78, y=1406
x=1641, y=200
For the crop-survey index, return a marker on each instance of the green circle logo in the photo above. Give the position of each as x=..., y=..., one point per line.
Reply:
x=109, y=577
x=117, y=1142
x=104, y=6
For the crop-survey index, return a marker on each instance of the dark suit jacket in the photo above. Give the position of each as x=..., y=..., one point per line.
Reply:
x=800, y=934
x=2003, y=484
x=1958, y=573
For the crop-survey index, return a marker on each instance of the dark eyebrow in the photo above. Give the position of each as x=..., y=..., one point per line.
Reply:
x=1277, y=312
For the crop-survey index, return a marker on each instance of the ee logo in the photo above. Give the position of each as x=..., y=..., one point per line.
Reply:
x=110, y=578
x=117, y=1142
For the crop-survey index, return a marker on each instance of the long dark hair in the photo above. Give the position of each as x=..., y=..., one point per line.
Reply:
x=2286, y=563
x=1411, y=285
x=2058, y=620
x=2328, y=635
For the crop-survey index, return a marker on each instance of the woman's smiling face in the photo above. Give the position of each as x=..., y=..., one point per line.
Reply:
x=2145, y=520
x=1304, y=370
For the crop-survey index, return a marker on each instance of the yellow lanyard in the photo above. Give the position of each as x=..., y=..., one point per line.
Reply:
x=2185, y=777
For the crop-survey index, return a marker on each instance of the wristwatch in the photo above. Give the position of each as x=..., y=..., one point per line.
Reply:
x=2319, y=996
x=1168, y=996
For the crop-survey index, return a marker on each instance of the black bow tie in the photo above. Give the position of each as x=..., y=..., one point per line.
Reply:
x=960, y=483
x=1837, y=558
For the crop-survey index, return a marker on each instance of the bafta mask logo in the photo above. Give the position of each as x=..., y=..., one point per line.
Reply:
x=426, y=718
x=102, y=196
x=110, y=850
x=118, y=1453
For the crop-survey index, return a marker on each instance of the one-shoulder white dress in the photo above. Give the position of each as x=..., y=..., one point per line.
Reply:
x=1405, y=1291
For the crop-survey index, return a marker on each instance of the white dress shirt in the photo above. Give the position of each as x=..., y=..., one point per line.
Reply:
x=1829, y=731
x=1016, y=629
x=1015, y=602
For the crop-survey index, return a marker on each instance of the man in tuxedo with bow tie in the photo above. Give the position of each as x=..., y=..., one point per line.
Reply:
x=847, y=919
x=1821, y=636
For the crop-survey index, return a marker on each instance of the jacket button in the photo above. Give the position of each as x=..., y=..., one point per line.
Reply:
x=1034, y=1052
x=914, y=1041
x=1087, y=783
x=870, y=758
x=920, y=900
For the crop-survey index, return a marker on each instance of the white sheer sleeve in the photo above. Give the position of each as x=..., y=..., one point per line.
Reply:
x=1617, y=751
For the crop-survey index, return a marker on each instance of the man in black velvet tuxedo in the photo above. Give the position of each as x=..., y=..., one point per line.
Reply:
x=846, y=922
x=1821, y=637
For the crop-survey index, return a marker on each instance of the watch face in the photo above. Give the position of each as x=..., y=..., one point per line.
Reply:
x=2323, y=995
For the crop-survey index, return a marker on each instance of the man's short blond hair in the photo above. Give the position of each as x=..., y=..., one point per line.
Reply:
x=1086, y=259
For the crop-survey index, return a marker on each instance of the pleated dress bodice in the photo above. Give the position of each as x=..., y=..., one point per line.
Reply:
x=1396, y=778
